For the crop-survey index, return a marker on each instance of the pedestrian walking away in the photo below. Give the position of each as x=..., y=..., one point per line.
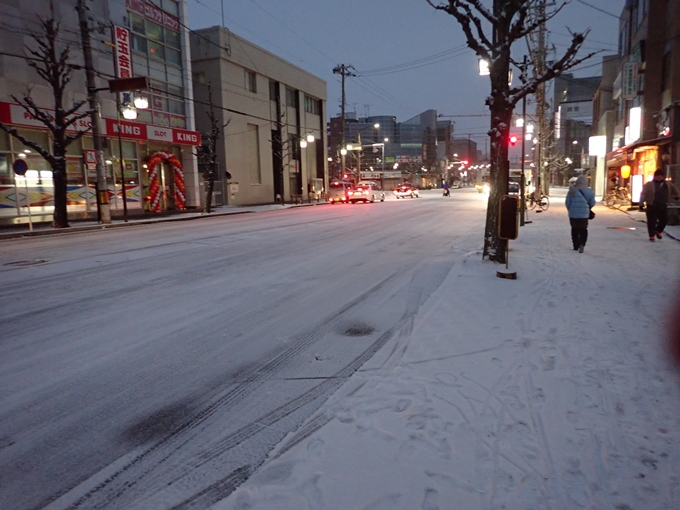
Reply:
x=654, y=201
x=580, y=199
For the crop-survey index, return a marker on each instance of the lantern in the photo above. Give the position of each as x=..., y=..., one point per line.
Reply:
x=625, y=171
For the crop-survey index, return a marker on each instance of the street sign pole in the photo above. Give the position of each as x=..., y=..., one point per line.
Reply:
x=20, y=167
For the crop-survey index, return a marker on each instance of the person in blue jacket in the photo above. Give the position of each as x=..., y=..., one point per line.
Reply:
x=580, y=199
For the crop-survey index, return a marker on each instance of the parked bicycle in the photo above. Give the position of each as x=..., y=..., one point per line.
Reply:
x=616, y=196
x=532, y=201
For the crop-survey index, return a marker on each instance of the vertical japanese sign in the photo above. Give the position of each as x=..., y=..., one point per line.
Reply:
x=629, y=80
x=121, y=38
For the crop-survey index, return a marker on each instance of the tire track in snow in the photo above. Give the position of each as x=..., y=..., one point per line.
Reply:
x=135, y=471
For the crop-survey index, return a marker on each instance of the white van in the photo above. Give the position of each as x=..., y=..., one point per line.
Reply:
x=338, y=192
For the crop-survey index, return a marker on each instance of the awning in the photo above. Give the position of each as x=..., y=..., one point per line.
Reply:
x=663, y=140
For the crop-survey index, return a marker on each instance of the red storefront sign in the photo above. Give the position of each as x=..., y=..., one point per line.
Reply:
x=13, y=114
x=150, y=132
x=153, y=13
x=121, y=38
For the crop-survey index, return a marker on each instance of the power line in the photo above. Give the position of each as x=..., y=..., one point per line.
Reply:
x=598, y=9
x=407, y=65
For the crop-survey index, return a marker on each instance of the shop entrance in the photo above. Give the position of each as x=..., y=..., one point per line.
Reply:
x=165, y=182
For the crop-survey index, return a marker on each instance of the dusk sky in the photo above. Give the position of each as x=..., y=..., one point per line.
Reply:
x=409, y=56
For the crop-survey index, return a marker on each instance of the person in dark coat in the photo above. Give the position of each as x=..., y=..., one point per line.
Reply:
x=580, y=199
x=654, y=201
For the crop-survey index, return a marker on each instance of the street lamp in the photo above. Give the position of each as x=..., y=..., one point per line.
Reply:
x=349, y=147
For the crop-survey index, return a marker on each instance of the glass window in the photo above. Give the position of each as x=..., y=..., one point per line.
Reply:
x=175, y=75
x=157, y=72
x=251, y=83
x=154, y=32
x=272, y=90
x=40, y=137
x=140, y=65
x=5, y=176
x=144, y=116
x=137, y=23
x=172, y=38
x=171, y=7
x=161, y=119
x=177, y=92
x=159, y=103
x=139, y=43
x=290, y=98
x=156, y=50
x=173, y=56
x=311, y=105
x=176, y=107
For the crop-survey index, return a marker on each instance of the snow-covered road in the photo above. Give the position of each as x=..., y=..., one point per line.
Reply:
x=157, y=366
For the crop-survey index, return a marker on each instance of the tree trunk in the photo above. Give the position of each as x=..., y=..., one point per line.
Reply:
x=501, y=117
x=60, y=217
x=211, y=187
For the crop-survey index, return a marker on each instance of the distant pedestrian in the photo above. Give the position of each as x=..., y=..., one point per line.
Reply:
x=446, y=189
x=654, y=201
x=580, y=199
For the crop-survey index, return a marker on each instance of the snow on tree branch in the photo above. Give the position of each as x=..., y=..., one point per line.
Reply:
x=29, y=143
x=482, y=46
x=566, y=62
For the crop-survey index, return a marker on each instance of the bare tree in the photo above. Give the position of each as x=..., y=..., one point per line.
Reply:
x=508, y=21
x=53, y=65
x=207, y=153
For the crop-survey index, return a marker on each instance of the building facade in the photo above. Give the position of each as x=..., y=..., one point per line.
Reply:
x=647, y=95
x=273, y=144
x=150, y=160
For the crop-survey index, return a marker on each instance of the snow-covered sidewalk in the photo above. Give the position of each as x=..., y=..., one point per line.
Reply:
x=552, y=391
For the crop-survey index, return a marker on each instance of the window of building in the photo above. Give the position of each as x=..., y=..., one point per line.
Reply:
x=253, y=151
x=251, y=81
x=291, y=97
x=666, y=71
x=156, y=53
x=576, y=108
x=272, y=90
x=312, y=105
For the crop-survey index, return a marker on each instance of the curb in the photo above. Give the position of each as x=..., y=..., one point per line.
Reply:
x=133, y=223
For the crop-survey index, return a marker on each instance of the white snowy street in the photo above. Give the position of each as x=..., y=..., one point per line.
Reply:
x=340, y=357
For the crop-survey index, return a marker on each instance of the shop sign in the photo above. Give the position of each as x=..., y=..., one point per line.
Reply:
x=90, y=156
x=139, y=131
x=11, y=113
x=629, y=80
x=153, y=13
x=121, y=38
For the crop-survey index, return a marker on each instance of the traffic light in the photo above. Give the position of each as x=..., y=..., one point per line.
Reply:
x=465, y=162
x=513, y=139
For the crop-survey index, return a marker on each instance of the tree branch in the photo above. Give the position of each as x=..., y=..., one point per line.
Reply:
x=29, y=143
x=453, y=9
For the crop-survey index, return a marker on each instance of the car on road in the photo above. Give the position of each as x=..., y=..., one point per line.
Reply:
x=338, y=192
x=366, y=191
x=455, y=184
x=406, y=190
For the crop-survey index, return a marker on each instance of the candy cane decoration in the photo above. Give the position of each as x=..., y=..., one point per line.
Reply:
x=154, y=188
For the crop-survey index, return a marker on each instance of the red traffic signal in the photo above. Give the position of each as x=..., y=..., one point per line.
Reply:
x=513, y=139
x=465, y=162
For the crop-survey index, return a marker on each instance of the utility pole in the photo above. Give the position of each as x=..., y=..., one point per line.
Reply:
x=344, y=71
x=103, y=208
x=539, y=58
